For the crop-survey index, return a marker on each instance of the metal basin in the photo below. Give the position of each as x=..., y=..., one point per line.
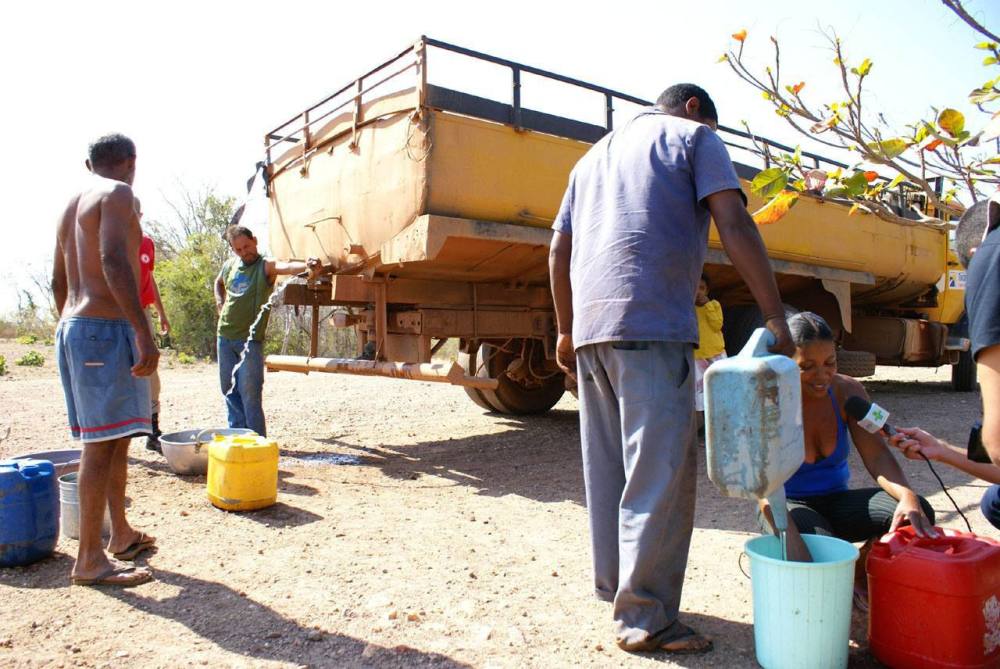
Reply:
x=187, y=451
x=66, y=461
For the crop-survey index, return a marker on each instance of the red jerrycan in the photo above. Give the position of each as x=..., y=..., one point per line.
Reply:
x=934, y=603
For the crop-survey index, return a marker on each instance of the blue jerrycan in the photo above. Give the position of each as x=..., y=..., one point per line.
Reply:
x=29, y=511
x=753, y=423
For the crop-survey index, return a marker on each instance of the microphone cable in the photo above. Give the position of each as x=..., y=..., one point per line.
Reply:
x=944, y=488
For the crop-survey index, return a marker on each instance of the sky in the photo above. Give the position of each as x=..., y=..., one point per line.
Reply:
x=197, y=84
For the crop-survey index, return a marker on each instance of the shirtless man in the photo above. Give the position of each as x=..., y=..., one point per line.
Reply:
x=106, y=352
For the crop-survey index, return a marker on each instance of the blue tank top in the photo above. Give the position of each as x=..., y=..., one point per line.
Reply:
x=827, y=475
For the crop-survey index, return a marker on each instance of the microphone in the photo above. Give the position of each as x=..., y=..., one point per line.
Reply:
x=869, y=415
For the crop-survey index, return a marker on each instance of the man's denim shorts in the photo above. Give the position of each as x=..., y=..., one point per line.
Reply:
x=104, y=401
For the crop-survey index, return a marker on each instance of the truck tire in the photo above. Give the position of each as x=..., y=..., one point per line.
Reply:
x=512, y=396
x=739, y=322
x=855, y=363
x=963, y=373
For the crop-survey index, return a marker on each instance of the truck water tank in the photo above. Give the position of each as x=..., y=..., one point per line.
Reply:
x=242, y=472
x=29, y=511
x=935, y=602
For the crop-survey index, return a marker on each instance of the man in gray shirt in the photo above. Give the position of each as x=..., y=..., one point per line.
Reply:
x=626, y=257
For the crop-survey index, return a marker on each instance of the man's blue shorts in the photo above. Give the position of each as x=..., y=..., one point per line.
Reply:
x=104, y=401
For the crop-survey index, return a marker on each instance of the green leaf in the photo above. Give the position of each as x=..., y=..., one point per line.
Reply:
x=895, y=182
x=836, y=192
x=890, y=148
x=990, y=60
x=863, y=69
x=856, y=184
x=986, y=46
x=723, y=58
x=951, y=121
x=921, y=133
x=769, y=182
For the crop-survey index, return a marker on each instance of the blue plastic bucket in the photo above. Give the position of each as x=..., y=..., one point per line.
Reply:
x=802, y=610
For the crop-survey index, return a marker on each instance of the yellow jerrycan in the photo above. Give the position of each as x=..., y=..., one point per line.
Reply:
x=242, y=472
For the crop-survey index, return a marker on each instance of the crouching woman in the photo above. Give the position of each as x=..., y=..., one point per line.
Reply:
x=819, y=498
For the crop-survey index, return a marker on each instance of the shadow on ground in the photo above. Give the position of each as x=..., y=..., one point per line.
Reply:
x=256, y=631
x=282, y=515
x=234, y=621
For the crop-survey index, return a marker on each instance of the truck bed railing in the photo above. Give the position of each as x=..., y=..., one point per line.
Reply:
x=388, y=77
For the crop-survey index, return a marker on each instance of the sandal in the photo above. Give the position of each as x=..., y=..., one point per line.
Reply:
x=143, y=542
x=116, y=575
x=676, y=638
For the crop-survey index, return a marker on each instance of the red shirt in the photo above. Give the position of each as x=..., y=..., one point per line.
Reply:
x=147, y=258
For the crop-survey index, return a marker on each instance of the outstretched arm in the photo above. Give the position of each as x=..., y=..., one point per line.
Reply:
x=915, y=443
x=746, y=250
x=275, y=268
x=988, y=372
x=883, y=467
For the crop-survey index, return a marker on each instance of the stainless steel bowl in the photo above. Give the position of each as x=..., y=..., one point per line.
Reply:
x=187, y=451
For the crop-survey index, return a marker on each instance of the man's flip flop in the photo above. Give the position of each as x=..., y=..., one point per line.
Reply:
x=116, y=575
x=677, y=638
x=143, y=542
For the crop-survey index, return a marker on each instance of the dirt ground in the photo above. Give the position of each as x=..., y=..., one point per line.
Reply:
x=451, y=538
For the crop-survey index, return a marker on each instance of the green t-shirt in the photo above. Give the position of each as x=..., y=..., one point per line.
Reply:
x=247, y=290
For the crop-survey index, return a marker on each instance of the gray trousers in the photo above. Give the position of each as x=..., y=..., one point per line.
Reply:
x=637, y=426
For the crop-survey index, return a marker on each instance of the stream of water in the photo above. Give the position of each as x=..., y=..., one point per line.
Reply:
x=272, y=301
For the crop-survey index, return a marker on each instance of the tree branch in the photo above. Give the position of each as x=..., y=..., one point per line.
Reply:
x=956, y=6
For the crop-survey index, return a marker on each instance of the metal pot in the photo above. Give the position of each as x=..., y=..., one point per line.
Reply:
x=187, y=451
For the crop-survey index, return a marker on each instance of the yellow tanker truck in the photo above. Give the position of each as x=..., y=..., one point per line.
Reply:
x=432, y=208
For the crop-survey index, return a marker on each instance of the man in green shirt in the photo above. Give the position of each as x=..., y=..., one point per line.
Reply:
x=242, y=288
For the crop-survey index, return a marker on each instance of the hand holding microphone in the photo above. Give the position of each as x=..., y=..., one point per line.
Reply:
x=874, y=419
x=917, y=444
x=914, y=443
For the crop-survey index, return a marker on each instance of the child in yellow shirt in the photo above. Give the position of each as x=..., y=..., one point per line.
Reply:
x=711, y=346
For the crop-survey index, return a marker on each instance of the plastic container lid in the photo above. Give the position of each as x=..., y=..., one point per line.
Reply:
x=243, y=448
x=27, y=467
